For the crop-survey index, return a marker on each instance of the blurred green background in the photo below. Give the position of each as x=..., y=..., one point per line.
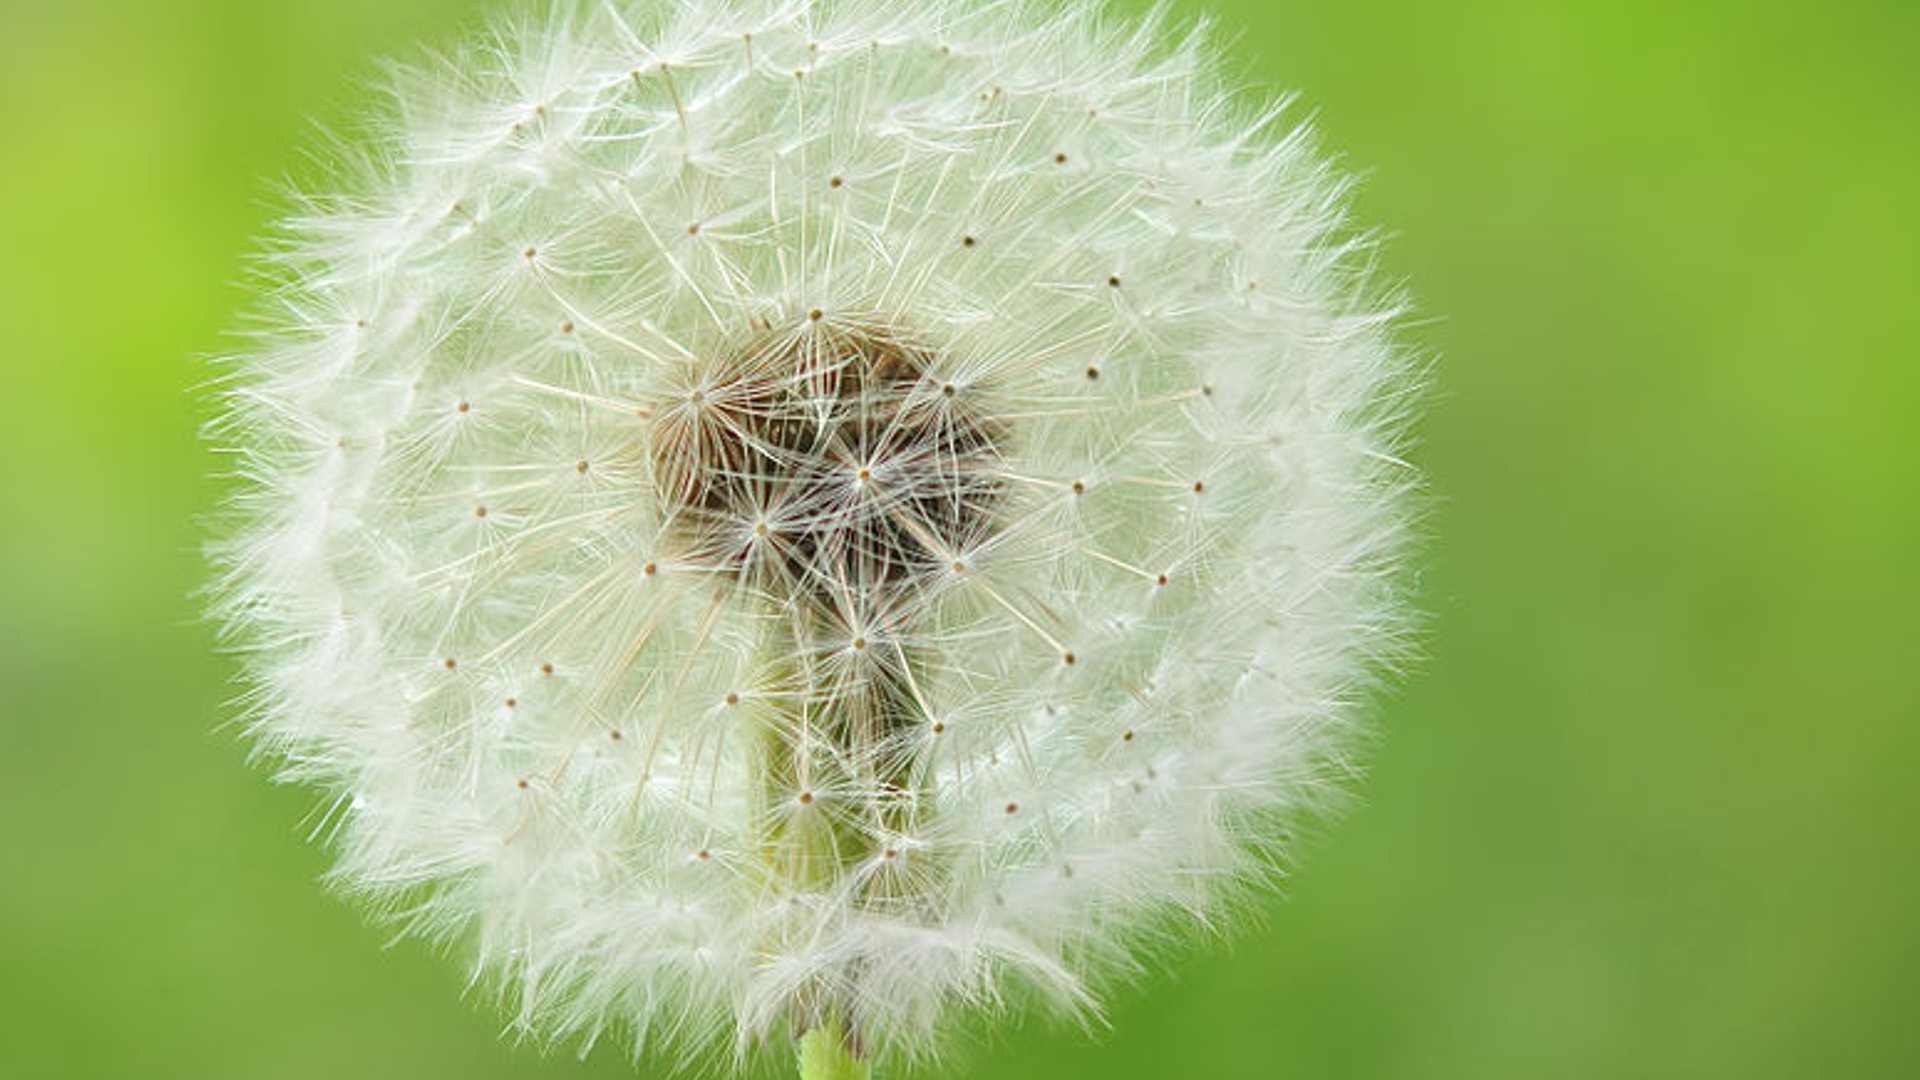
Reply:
x=1649, y=809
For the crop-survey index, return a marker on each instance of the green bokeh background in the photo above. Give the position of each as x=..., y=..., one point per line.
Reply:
x=1648, y=809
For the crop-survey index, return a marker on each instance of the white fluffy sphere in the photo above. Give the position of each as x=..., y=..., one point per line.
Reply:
x=766, y=514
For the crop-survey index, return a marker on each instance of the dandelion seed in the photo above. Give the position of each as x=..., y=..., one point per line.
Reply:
x=845, y=695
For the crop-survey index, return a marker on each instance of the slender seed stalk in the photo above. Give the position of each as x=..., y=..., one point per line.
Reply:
x=824, y=1055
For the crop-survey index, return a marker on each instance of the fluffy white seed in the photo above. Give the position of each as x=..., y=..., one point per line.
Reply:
x=766, y=512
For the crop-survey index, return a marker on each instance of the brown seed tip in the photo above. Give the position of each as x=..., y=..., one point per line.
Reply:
x=835, y=182
x=733, y=699
x=1069, y=659
x=1059, y=159
x=816, y=315
x=1013, y=808
x=546, y=669
x=806, y=797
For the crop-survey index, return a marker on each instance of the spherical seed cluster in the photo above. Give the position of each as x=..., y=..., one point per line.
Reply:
x=766, y=514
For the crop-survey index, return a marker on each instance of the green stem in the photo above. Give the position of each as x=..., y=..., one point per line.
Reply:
x=824, y=1055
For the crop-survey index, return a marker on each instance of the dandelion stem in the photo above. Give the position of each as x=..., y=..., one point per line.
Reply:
x=824, y=1055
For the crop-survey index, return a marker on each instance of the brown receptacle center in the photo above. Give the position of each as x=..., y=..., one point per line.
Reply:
x=825, y=462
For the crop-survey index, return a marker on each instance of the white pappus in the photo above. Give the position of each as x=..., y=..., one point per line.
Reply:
x=772, y=514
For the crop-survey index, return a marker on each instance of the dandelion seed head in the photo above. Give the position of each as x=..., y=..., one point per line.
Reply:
x=768, y=512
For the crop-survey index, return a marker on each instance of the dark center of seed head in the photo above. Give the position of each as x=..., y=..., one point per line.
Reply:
x=825, y=462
